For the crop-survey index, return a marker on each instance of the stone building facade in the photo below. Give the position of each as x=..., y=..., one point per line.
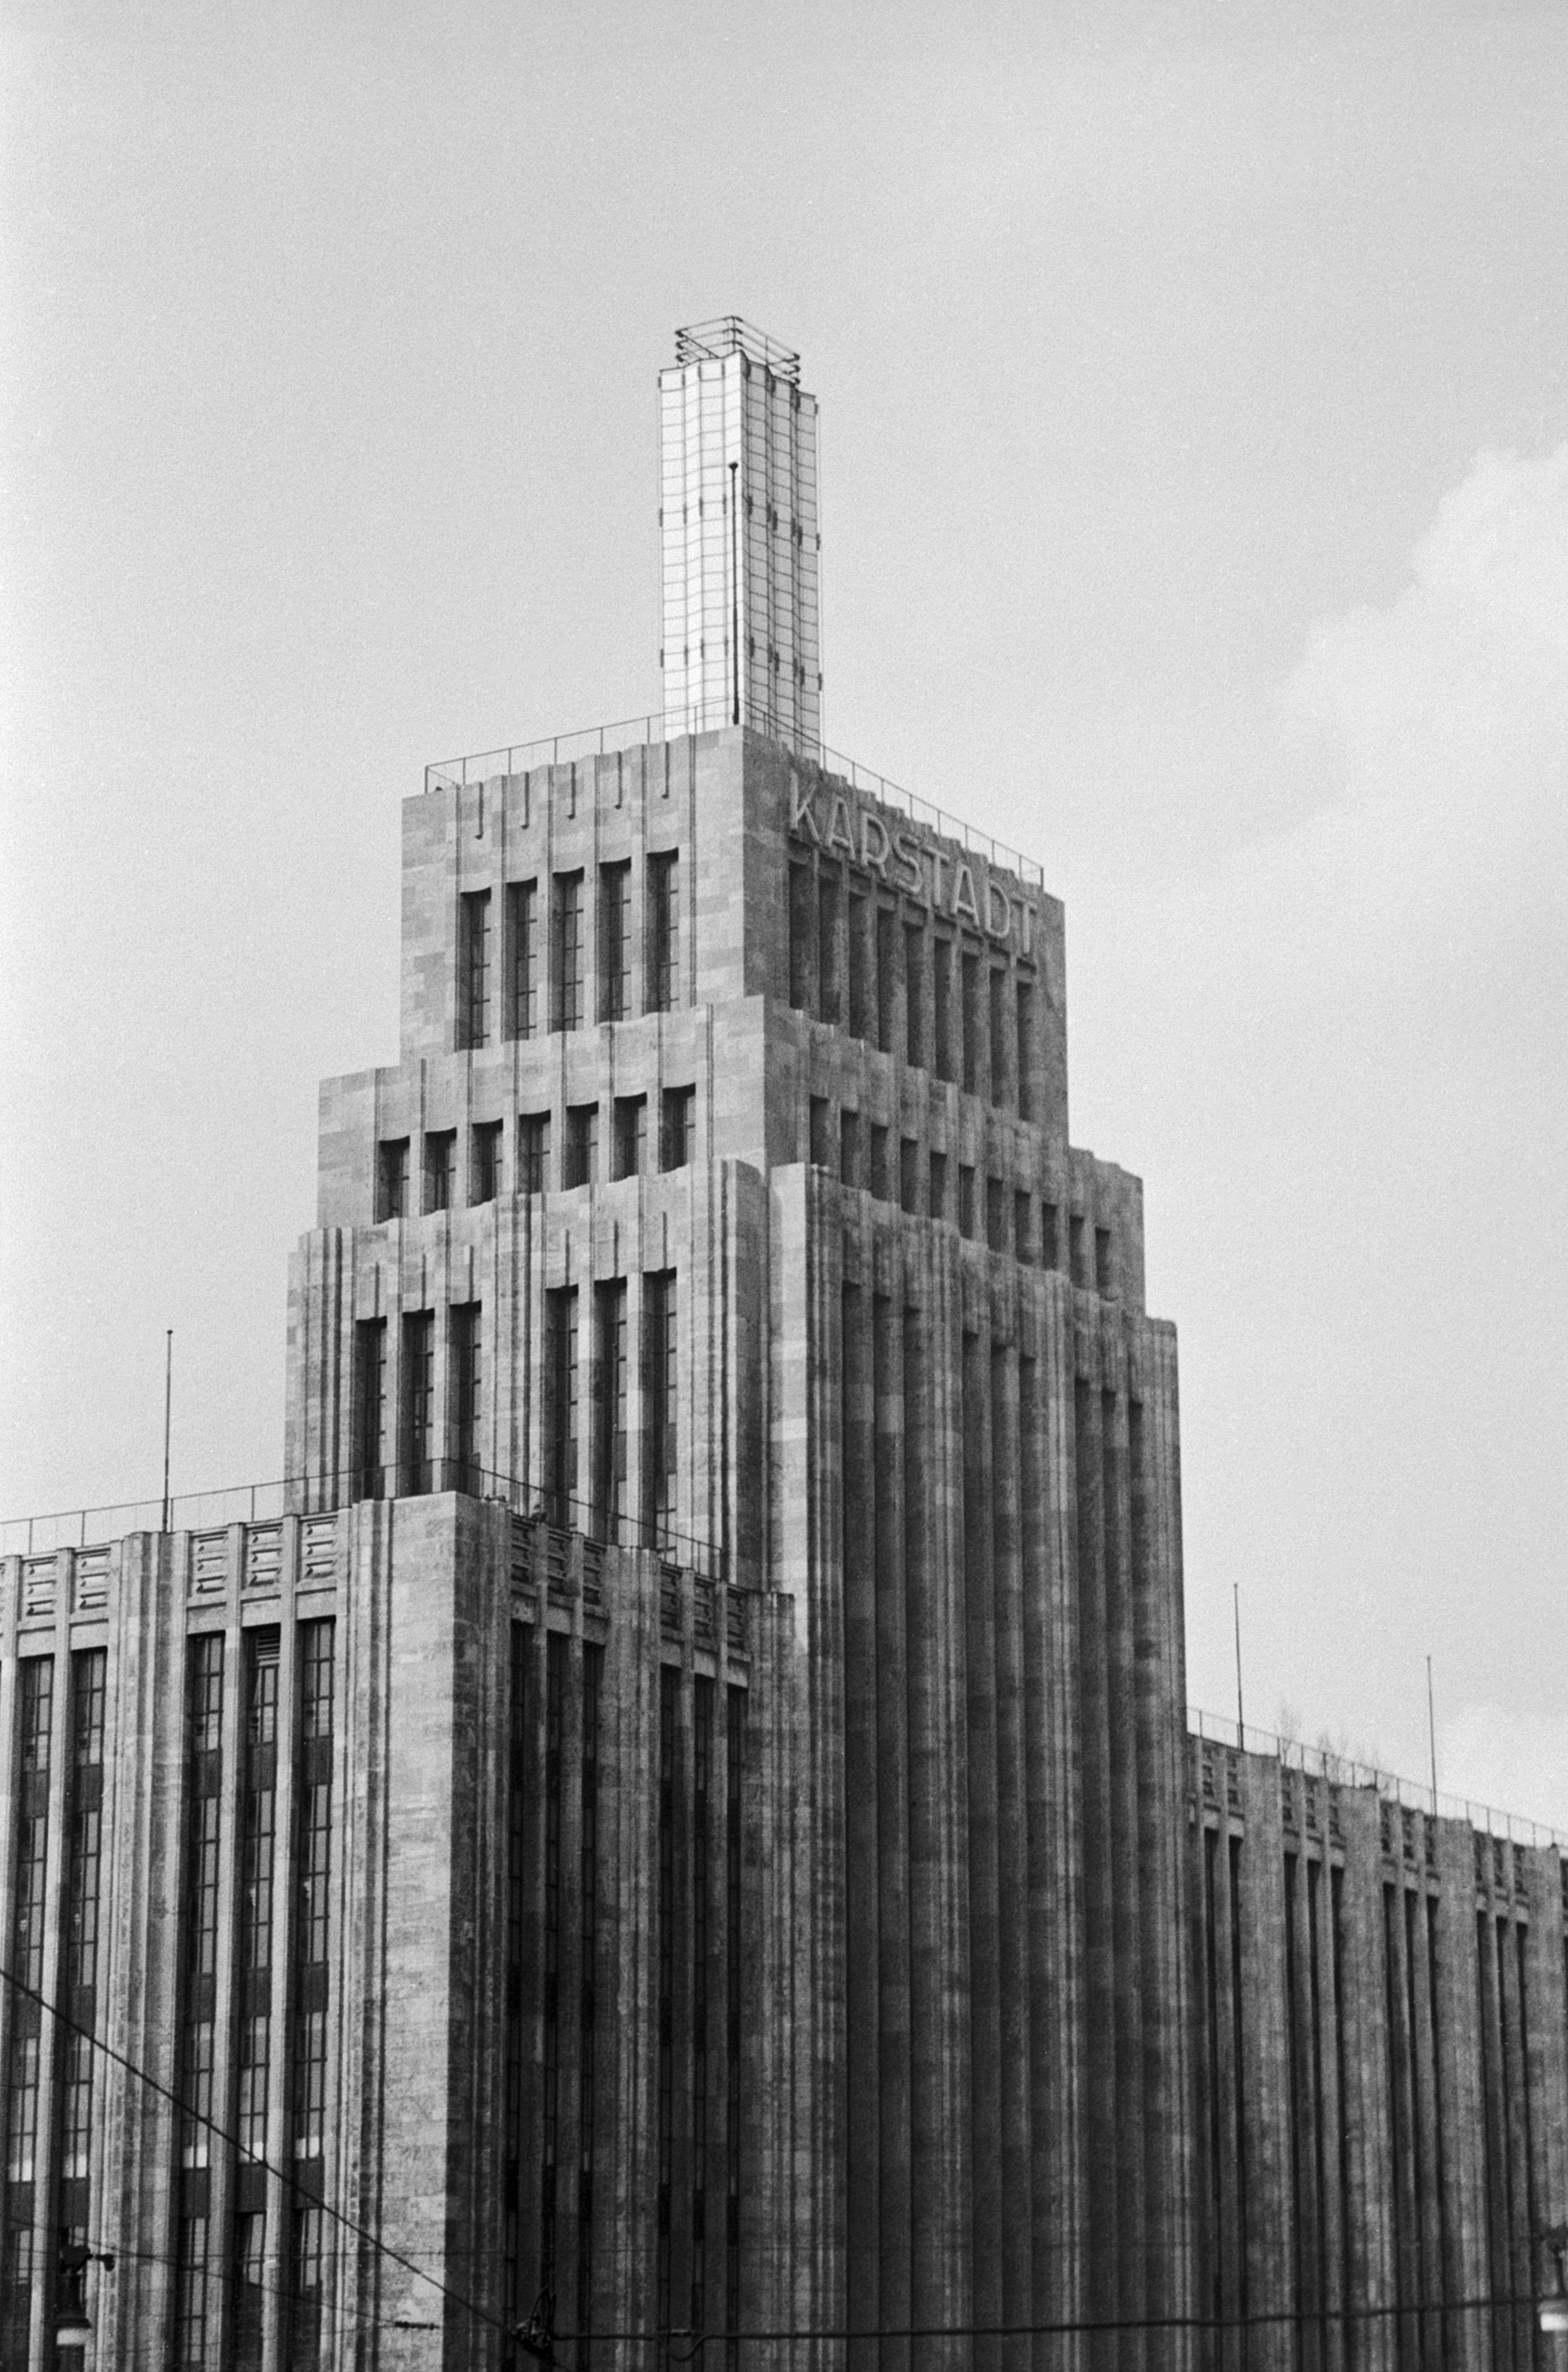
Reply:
x=683, y=1827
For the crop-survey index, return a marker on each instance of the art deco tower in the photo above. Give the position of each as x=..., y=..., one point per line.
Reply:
x=737, y=520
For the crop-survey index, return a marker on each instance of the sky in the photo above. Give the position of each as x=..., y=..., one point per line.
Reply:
x=1194, y=389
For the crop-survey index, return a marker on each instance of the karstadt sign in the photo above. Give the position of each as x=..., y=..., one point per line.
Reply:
x=910, y=860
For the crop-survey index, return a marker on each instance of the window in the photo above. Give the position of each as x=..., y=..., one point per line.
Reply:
x=419, y=1400
x=611, y=1386
x=533, y=1152
x=942, y=999
x=909, y=1175
x=1025, y=1050
x=485, y=1163
x=522, y=928
x=631, y=1136
x=938, y=1205
x=664, y=932
x=464, y=1397
x=582, y=1145
x=821, y=1151
x=561, y=1413
x=998, y=1033
x=800, y=937
x=440, y=1169
x=678, y=1127
x=615, y=941
x=567, y=950
x=849, y=1149
x=1104, y=1277
x=878, y=1178
x=828, y=947
x=370, y=1401
x=663, y=1389
x=887, y=976
x=859, y=984
x=391, y=1179
x=970, y=982
x=1020, y=1226
x=473, y=939
x=1050, y=1242
x=915, y=993
x=1076, y=1250
x=965, y=1199
x=995, y=1214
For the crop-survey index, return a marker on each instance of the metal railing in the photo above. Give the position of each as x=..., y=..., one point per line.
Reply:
x=316, y=1495
x=1348, y=1770
x=641, y=732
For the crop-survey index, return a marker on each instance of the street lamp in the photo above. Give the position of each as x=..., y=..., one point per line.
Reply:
x=1552, y=2312
x=73, y=2324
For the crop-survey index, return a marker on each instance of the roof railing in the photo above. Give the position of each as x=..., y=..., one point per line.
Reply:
x=1350, y=1771
x=639, y=732
x=316, y=1494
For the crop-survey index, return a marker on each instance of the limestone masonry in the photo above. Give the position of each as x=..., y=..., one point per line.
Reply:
x=683, y=1827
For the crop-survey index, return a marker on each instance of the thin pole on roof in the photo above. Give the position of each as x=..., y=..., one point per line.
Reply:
x=1432, y=1736
x=1240, y=1719
x=167, y=1406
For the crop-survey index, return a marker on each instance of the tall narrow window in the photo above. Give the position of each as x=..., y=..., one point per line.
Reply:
x=588, y=1996
x=464, y=1397
x=878, y=1178
x=968, y=981
x=849, y=1149
x=828, y=948
x=198, y=2279
x=965, y=1199
x=519, y=1943
x=485, y=1169
x=859, y=968
x=391, y=1178
x=419, y=1402
x=582, y=1145
x=533, y=1152
x=938, y=1205
x=474, y=959
x=664, y=1962
x=440, y=1169
x=310, y=1978
x=615, y=941
x=1104, y=1273
x=678, y=1127
x=942, y=1006
x=735, y=1765
x=820, y=1144
x=1076, y=1250
x=1050, y=1237
x=523, y=952
x=664, y=932
x=701, y=1850
x=995, y=1214
x=561, y=1440
x=887, y=975
x=254, y=2036
x=800, y=965
x=909, y=1174
x=662, y=1371
x=631, y=1136
x=611, y=1385
x=567, y=950
x=370, y=1403
x=1022, y=1246
x=915, y=993
x=1025, y=1019
x=35, y=1724
x=551, y=1954
x=998, y=1034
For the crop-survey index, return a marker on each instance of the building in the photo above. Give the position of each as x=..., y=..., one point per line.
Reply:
x=683, y=1822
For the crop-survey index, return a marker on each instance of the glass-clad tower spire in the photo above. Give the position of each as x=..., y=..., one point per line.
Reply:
x=737, y=497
